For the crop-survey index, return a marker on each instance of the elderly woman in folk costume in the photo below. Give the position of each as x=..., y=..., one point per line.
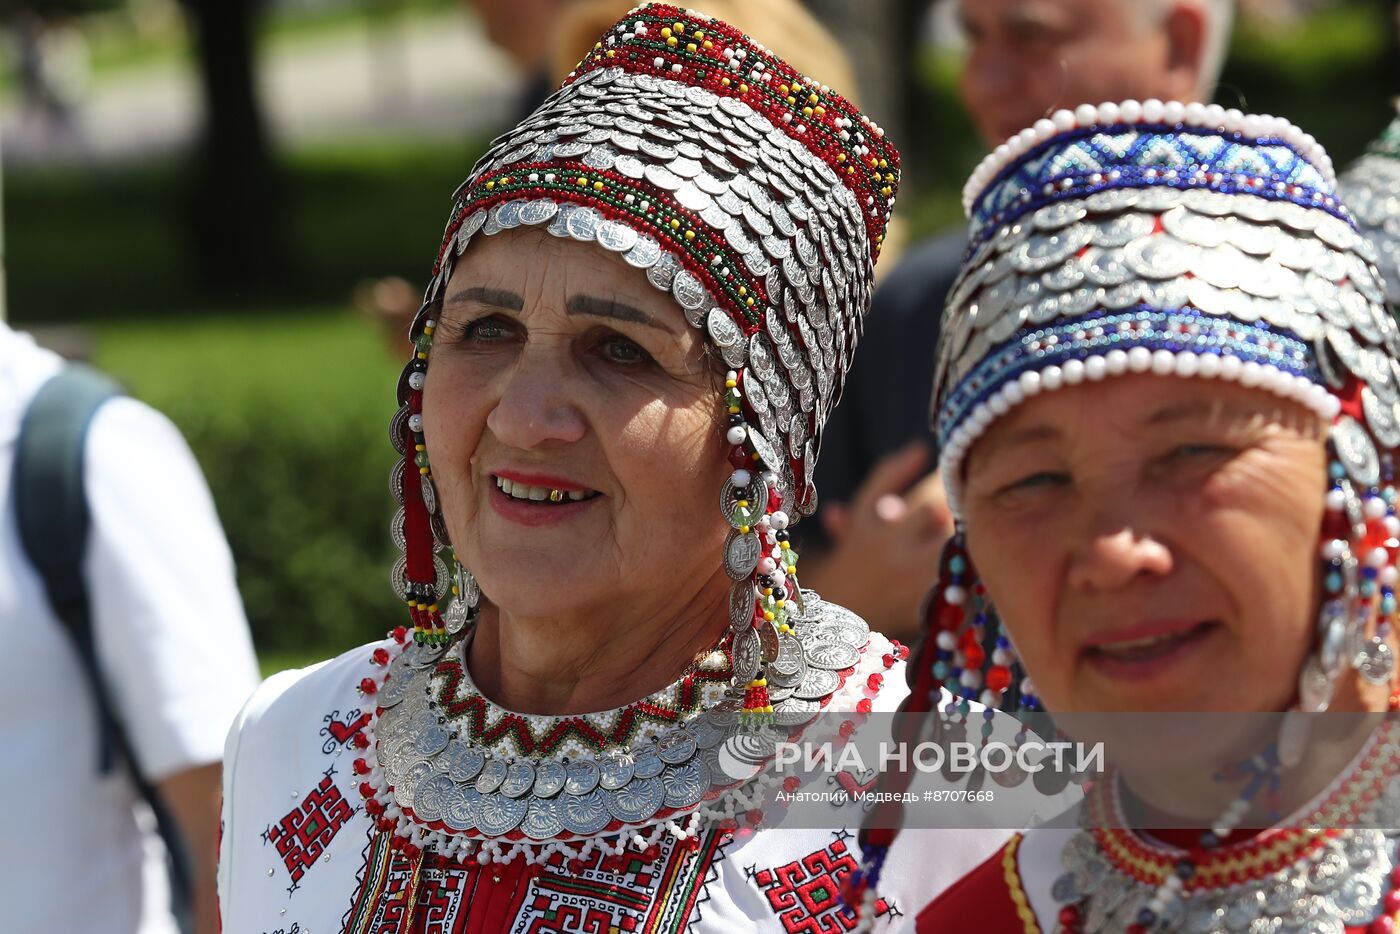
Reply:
x=643, y=308
x=1168, y=401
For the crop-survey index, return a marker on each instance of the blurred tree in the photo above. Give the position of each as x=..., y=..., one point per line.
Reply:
x=883, y=39
x=235, y=208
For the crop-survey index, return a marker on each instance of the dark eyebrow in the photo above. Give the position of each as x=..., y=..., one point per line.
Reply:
x=608, y=308
x=498, y=298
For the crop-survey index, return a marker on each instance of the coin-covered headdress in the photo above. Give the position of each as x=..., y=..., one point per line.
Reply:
x=1371, y=188
x=756, y=197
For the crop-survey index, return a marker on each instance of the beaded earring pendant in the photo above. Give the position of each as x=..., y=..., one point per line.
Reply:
x=759, y=558
x=1360, y=542
x=420, y=576
x=975, y=659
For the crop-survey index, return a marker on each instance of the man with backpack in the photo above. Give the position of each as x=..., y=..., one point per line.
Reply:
x=127, y=657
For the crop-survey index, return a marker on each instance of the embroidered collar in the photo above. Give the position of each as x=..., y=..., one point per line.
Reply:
x=446, y=768
x=1312, y=866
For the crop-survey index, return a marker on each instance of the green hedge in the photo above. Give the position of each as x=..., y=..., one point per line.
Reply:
x=288, y=415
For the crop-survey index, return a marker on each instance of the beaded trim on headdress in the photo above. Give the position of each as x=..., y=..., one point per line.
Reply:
x=1371, y=189
x=1163, y=238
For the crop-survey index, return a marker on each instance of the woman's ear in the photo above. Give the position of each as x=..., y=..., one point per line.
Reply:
x=1185, y=29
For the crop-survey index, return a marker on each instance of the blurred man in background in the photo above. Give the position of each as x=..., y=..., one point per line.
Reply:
x=128, y=658
x=885, y=520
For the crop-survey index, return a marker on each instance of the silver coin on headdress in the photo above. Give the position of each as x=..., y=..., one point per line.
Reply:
x=1356, y=451
x=741, y=553
x=742, y=601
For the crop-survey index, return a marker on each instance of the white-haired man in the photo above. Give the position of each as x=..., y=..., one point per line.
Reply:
x=885, y=520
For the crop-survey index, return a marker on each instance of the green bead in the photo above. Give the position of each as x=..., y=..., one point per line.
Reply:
x=421, y=458
x=424, y=342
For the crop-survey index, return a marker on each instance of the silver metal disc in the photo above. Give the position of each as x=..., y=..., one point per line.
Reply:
x=462, y=760
x=541, y=820
x=636, y=801
x=500, y=814
x=684, y=785
x=584, y=814
x=583, y=776
x=493, y=773
x=615, y=769
x=520, y=778
x=675, y=747
x=741, y=553
x=550, y=777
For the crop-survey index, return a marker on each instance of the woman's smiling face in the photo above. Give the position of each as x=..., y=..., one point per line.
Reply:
x=1151, y=543
x=557, y=367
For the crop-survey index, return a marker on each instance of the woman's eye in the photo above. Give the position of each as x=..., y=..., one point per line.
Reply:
x=620, y=349
x=1033, y=482
x=492, y=329
x=487, y=330
x=1198, y=451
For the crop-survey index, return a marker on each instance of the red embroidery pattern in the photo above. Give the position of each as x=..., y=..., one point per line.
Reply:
x=627, y=895
x=440, y=894
x=336, y=733
x=806, y=893
x=308, y=829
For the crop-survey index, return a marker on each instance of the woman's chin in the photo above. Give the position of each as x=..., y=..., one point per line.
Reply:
x=538, y=593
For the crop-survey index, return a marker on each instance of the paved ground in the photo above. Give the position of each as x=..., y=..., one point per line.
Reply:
x=429, y=73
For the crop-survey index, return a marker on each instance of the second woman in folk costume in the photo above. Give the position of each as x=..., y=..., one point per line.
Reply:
x=1371, y=188
x=1168, y=401
x=642, y=311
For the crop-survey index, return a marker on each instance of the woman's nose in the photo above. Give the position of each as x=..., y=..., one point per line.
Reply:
x=1113, y=555
x=535, y=406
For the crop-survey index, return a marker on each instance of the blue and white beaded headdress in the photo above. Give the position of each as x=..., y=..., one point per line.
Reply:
x=1171, y=239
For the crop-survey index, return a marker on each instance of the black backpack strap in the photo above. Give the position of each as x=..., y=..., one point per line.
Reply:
x=51, y=509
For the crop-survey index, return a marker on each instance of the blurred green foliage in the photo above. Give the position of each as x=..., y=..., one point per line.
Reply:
x=92, y=243
x=288, y=413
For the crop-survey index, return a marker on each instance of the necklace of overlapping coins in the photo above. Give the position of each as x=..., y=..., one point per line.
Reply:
x=1317, y=874
x=447, y=769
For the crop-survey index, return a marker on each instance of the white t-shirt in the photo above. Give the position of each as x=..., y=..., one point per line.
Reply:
x=171, y=639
